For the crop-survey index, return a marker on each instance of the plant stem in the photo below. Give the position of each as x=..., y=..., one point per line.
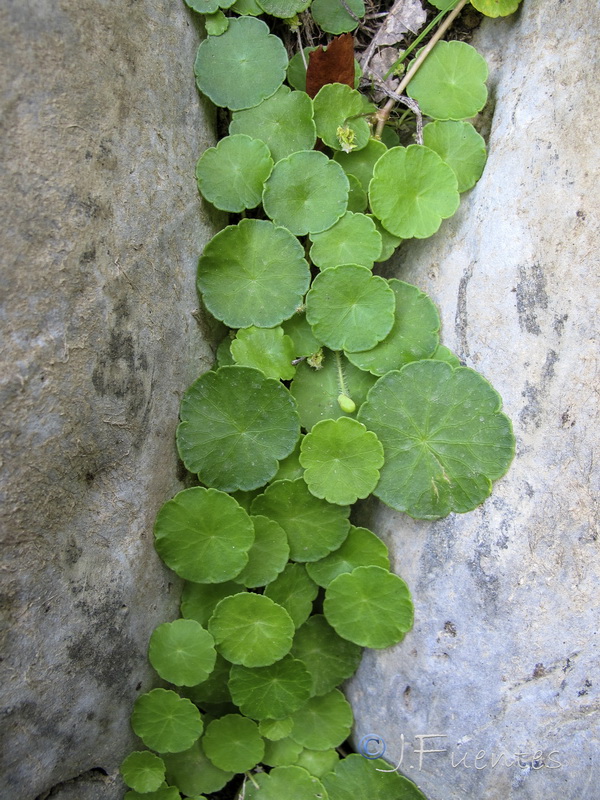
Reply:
x=383, y=114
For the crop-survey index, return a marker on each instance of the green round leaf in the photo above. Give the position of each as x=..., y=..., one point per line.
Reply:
x=216, y=23
x=356, y=776
x=247, y=8
x=207, y=6
x=361, y=163
x=300, y=332
x=266, y=349
x=243, y=66
x=412, y=191
x=143, y=771
x=444, y=436
x=389, y=242
x=314, y=527
x=332, y=17
x=353, y=239
x=268, y=555
x=414, y=334
x=361, y=548
x=338, y=106
x=348, y=308
x=285, y=782
x=318, y=762
x=460, y=146
x=357, y=197
x=281, y=753
x=306, y=193
x=164, y=793
x=369, y=606
x=214, y=690
x=341, y=460
x=295, y=592
x=253, y=273
x=192, y=772
x=275, y=729
x=272, y=692
x=450, y=84
x=317, y=390
x=284, y=9
x=231, y=175
x=284, y=122
x=324, y=722
x=198, y=600
x=235, y=426
x=496, y=8
x=166, y=722
x=328, y=658
x=182, y=652
x=233, y=743
x=251, y=629
x=203, y=535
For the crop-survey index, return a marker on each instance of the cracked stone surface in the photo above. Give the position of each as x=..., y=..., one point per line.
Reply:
x=504, y=659
x=102, y=225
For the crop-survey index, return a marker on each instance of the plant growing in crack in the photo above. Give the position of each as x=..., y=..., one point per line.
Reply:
x=331, y=385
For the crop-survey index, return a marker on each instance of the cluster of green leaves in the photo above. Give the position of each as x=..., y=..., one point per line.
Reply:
x=331, y=385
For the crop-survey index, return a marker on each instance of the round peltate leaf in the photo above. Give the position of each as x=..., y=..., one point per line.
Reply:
x=272, y=692
x=324, y=722
x=412, y=191
x=268, y=555
x=356, y=776
x=253, y=274
x=284, y=9
x=284, y=122
x=233, y=743
x=192, y=772
x=306, y=193
x=389, y=242
x=328, y=658
x=281, y=753
x=361, y=548
x=460, y=146
x=339, y=117
x=332, y=17
x=317, y=390
x=450, y=84
x=361, y=163
x=314, y=527
x=357, y=197
x=216, y=23
x=353, y=239
x=182, y=652
x=289, y=781
x=275, y=729
x=251, y=629
x=235, y=426
x=166, y=722
x=496, y=8
x=198, y=600
x=208, y=6
x=348, y=308
x=295, y=592
x=203, y=535
x=300, y=332
x=318, y=762
x=444, y=436
x=266, y=349
x=143, y=771
x=341, y=460
x=243, y=66
x=414, y=335
x=369, y=606
x=231, y=175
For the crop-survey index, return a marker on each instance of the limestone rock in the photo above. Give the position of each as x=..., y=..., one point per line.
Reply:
x=102, y=225
x=504, y=656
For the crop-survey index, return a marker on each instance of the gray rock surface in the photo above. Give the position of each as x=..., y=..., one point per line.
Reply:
x=101, y=126
x=504, y=655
